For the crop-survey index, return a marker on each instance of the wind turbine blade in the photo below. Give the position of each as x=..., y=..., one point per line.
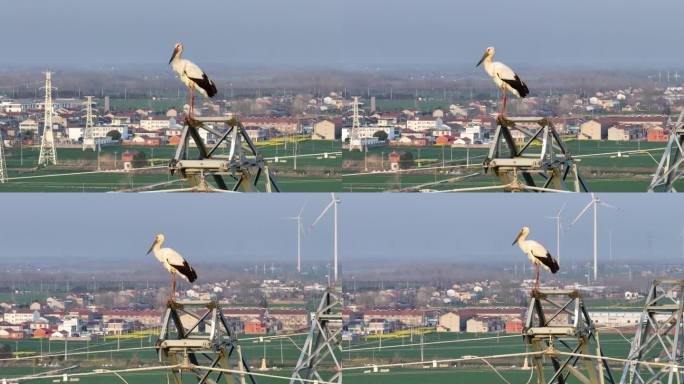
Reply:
x=609, y=206
x=322, y=213
x=582, y=212
x=302, y=210
x=562, y=208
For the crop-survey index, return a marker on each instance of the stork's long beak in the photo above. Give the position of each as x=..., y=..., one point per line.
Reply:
x=481, y=60
x=517, y=238
x=151, y=247
x=175, y=50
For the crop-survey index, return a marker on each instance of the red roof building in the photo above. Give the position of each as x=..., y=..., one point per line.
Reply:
x=255, y=327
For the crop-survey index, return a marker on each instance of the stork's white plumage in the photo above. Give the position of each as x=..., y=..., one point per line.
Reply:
x=192, y=76
x=173, y=262
x=537, y=253
x=503, y=77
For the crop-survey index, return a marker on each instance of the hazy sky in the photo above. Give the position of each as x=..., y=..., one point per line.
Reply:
x=343, y=33
x=374, y=227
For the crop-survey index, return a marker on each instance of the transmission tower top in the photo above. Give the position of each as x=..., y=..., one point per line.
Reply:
x=88, y=137
x=48, y=154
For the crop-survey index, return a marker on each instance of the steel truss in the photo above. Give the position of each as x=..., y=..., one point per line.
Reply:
x=658, y=336
x=243, y=164
x=670, y=166
x=195, y=333
x=320, y=358
x=557, y=320
x=517, y=168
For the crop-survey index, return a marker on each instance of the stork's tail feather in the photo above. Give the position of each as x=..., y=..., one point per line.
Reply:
x=187, y=271
x=552, y=264
x=212, y=91
x=206, y=84
x=519, y=86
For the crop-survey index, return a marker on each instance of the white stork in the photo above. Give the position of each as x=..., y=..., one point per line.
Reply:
x=537, y=253
x=173, y=262
x=192, y=76
x=503, y=77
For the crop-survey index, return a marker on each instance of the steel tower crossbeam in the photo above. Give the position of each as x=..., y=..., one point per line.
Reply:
x=243, y=165
x=658, y=336
x=523, y=168
x=195, y=333
x=557, y=320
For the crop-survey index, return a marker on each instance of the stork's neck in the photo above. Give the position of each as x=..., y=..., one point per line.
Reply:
x=521, y=241
x=487, y=64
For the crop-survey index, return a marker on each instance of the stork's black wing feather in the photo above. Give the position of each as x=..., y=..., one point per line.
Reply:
x=518, y=85
x=550, y=262
x=187, y=271
x=206, y=84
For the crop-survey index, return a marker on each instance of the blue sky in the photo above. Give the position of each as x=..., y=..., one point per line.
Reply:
x=344, y=33
x=374, y=227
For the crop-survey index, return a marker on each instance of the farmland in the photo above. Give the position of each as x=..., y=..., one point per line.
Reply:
x=280, y=353
x=439, y=346
x=313, y=173
x=602, y=164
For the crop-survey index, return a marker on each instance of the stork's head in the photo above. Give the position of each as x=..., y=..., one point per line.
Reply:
x=177, y=50
x=522, y=235
x=158, y=240
x=488, y=53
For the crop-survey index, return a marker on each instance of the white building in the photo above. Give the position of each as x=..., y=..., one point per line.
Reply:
x=367, y=132
x=20, y=317
x=156, y=124
x=423, y=124
x=70, y=326
x=9, y=106
x=28, y=125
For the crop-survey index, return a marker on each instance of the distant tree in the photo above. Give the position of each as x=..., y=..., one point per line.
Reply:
x=28, y=133
x=264, y=302
x=114, y=135
x=139, y=159
x=406, y=160
x=381, y=135
x=5, y=351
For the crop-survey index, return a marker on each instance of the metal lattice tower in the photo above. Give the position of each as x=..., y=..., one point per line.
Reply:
x=557, y=320
x=658, y=336
x=525, y=169
x=3, y=168
x=320, y=358
x=670, y=167
x=88, y=139
x=354, y=139
x=196, y=334
x=243, y=164
x=48, y=154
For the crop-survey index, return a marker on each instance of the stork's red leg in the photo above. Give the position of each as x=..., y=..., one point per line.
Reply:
x=503, y=112
x=173, y=286
x=536, y=284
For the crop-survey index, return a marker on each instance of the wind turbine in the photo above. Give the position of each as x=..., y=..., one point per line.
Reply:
x=333, y=203
x=595, y=202
x=300, y=229
x=558, y=230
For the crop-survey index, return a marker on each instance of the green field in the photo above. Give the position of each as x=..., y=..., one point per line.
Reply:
x=391, y=352
x=312, y=173
x=279, y=353
x=603, y=173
